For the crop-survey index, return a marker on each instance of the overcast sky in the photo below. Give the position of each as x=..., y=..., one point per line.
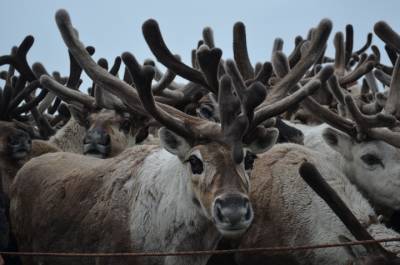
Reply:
x=115, y=26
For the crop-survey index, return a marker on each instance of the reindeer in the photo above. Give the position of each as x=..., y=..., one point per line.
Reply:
x=287, y=212
x=197, y=181
x=367, y=155
x=18, y=138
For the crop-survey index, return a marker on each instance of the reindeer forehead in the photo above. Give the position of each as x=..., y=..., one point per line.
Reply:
x=105, y=116
x=217, y=154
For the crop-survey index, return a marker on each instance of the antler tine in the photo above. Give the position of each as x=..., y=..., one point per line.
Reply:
x=22, y=94
x=382, y=77
x=18, y=59
x=329, y=117
x=164, y=82
x=31, y=103
x=338, y=93
x=240, y=52
x=280, y=64
x=366, y=45
x=5, y=100
x=282, y=105
x=340, y=54
x=234, y=125
x=39, y=70
x=359, y=71
x=349, y=43
x=386, y=135
x=393, y=102
x=115, y=68
x=75, y=72
x=249, y=97
x=127, y=77
x=95, y=72
x=314, y=179
x=371, y=81
x=277, y=46
x=295, y=55
x=391, y=52
x=364, y=122
x=317, y=45
x=208, y=37
x=376, y=52
x=66, y=93
x=387, y=34
x=257, y=68
x=264, y=74
x=169, y=117
x=208, y=60
x=155, y=41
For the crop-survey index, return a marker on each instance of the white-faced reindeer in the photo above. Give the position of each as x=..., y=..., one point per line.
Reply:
x=181, y=196
x=364, y=150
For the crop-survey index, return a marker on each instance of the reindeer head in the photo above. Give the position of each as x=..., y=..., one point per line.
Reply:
x=108, y=132
x=15, y=140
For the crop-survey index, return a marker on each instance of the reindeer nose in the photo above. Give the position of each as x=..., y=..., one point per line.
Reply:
x=19, y=144
x=19, y=138
x=233, y=211
x=97, y=136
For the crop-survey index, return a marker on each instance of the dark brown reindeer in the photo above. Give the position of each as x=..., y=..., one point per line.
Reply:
x=18, y=134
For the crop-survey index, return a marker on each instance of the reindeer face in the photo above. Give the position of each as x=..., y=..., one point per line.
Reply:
x=15, y=143
x=372, y=165
x=108, y=132
x=219, y=186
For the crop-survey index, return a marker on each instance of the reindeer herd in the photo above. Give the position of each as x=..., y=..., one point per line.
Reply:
x=241, y=156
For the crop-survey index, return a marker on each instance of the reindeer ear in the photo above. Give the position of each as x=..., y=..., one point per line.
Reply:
x=338, y=141
x=173, y=143
x=79, y=114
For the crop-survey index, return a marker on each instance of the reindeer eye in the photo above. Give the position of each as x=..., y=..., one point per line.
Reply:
x=196, y=164
x=371, y=160
x=125, y=126
x=249, y=160
x=205, y=113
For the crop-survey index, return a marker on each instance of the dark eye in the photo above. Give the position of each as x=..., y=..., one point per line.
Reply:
x=205, y=113
x=125, y=126
x=371, y=160
x=196, y=164
x=249, y=160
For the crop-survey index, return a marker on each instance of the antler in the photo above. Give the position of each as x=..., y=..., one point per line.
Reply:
x=240, y=52
x=309, y=56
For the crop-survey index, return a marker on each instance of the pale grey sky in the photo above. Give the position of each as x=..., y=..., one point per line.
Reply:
x=115, y=26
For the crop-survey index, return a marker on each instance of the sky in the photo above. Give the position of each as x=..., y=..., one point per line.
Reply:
x=114, y=27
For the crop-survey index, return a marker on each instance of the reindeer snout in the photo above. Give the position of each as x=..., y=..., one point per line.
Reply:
x=232, y=213
x=97, y=142
x=19, y=144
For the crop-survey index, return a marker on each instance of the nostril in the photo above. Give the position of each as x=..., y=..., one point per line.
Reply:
x=107, y=139
x=220, y=216
x=248, y=214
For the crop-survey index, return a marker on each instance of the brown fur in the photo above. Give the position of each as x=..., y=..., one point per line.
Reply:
x=100, y=198
x=8, y=166
x=226, y=179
